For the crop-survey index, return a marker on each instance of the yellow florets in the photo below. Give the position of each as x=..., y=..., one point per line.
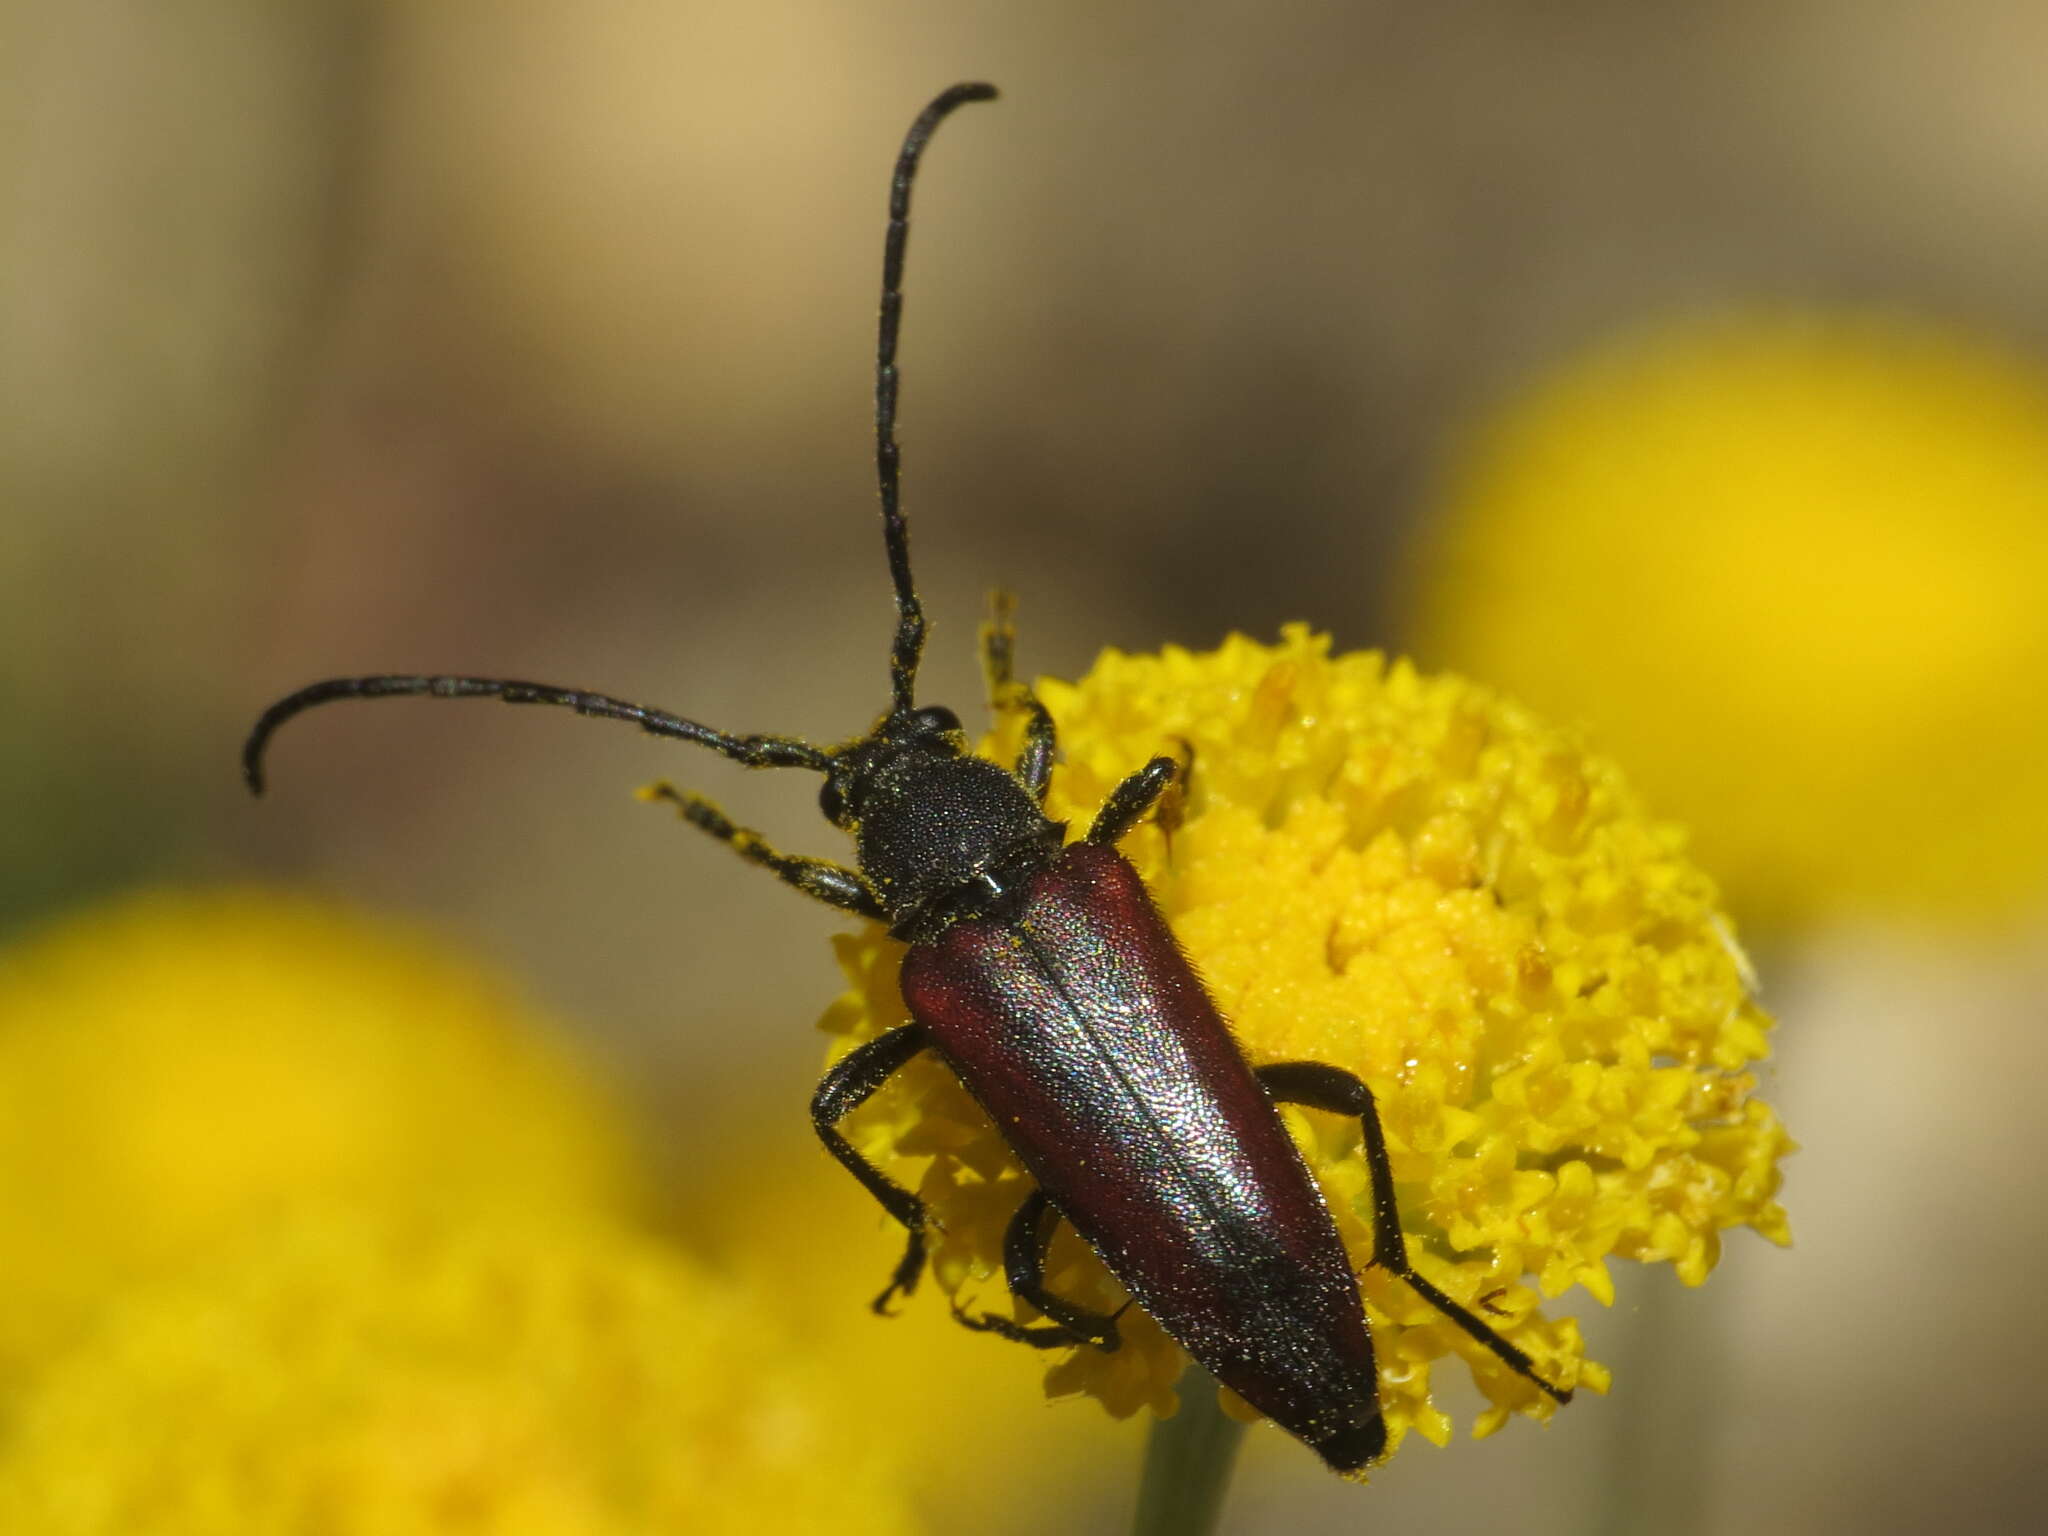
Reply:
x=359, y=1378
x=179, y=1066
x=1416, y=880
x=1791, y=571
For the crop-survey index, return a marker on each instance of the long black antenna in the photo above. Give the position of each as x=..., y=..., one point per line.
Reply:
x=909, y=644
x=754, y=751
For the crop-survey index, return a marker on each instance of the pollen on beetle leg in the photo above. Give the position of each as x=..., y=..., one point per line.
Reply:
x=1417, y=881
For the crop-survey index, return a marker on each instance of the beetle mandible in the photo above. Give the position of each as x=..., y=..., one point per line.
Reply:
x=1042, y=974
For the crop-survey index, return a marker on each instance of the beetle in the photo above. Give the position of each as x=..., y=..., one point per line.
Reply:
x=1042, y=974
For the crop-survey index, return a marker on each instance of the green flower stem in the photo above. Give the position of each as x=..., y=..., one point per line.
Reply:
x=1188, y=1461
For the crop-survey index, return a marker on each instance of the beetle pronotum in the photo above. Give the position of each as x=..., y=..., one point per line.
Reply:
x=1042, y=974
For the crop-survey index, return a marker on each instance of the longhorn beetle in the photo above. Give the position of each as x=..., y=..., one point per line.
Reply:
x=1042, y=974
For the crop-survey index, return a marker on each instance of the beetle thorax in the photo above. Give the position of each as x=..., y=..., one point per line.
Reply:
x=944, y=837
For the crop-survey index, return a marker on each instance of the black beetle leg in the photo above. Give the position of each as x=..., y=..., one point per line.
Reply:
x=998, y=650
x=854, y=1077
x=1130, y=800
x=1041, y=745
x=834, y=884
x=1025, y=1246
x=1320, y=1086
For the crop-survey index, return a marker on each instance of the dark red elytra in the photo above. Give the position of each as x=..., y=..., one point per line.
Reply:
x=1044, y=976
x=1081, y=1028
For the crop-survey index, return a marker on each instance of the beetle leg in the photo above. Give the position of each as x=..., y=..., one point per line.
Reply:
x=854, y=1077
x=834, y=884
x=1173, y=802
x=1130, y=800
x=998, y=647
x=1320, y=1086
x=1025, y=1246
x=1034, y=763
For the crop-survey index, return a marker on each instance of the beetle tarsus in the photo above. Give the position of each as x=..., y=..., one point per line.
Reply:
x=1173, y=801
x=1025, y=1246
x=1130, y=800
x=850, y=1083
x=1031, y=1335
x=1321, y=1086
x=999, y=646
x=904, y=1281
x=820, y=879
x=998, y=660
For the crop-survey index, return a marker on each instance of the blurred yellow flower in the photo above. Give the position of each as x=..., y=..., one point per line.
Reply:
x=918, y=1371
x=178, y=1065
x=1414, y=879
x=1790, y=569
x=368, y=1378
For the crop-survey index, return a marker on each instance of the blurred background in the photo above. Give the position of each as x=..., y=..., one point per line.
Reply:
x=537, y=342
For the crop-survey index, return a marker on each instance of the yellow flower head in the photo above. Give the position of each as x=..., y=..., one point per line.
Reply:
x=1415, y=880
x=369, y=1378
x=178, y=1065
x=1790, y=569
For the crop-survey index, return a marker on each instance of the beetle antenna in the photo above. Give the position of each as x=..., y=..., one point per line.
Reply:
x=754, y=751
x=909, y=643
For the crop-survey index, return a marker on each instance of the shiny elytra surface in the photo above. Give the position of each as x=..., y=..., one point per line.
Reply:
x=1083, y=1031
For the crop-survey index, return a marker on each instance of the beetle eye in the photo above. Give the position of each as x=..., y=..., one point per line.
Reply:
x=936, y=720
x=832, y=802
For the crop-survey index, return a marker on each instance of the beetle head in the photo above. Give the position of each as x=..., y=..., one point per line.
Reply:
x=941, y=834
x=932, y=732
